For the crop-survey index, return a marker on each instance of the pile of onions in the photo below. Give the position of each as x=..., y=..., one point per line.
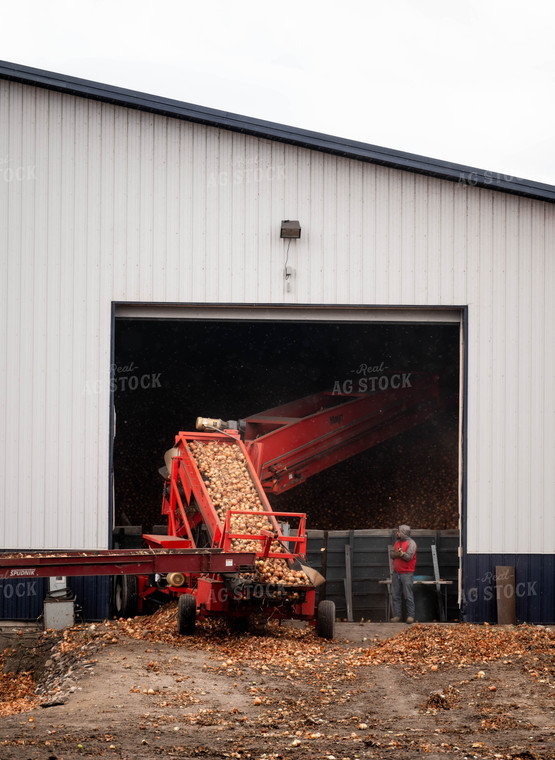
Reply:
x=227, y=479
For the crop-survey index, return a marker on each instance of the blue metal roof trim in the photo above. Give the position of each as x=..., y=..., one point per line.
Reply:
x=466, y=175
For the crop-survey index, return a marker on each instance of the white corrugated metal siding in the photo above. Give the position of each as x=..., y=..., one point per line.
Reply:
x=99, y=203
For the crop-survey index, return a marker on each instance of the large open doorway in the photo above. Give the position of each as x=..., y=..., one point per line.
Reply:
x=173, y=365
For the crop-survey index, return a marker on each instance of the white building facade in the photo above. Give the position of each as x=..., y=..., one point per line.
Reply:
x=112, y=200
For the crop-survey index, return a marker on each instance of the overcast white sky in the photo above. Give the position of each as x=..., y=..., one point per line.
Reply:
x=471, y=82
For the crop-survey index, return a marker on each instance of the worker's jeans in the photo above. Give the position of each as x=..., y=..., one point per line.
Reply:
x=401, y=585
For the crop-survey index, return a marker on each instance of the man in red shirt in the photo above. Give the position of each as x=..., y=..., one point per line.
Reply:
x=404, y=562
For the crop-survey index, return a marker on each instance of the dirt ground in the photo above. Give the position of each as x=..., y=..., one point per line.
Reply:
x=134, y=690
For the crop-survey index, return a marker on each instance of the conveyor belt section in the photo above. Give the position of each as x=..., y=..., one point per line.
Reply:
x=290, y=443
x=123, y=562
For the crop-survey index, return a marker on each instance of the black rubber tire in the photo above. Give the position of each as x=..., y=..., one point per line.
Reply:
x=125, y=596
x=186, y=614
x=325, y=621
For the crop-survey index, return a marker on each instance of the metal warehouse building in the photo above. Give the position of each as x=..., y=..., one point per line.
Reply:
x=143, y=274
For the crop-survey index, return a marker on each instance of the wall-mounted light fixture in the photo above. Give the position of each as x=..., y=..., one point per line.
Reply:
x=290, y=229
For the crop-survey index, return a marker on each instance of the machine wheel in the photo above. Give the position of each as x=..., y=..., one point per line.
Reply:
x=186, y=614
x=325, y=625
x=125, y=596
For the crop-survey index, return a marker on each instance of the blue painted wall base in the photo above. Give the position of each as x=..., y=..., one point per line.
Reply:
x=534, y=587
x=92, y=596
x=23, y=599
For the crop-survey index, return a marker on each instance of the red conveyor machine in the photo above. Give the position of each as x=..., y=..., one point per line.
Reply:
x=210, y=566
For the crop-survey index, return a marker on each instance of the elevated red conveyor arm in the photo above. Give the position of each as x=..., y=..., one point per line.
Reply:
x=289, y=443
